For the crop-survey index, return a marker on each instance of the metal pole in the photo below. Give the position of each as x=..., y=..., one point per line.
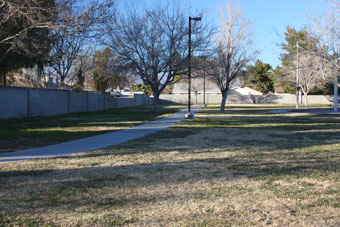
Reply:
x=189, y=73
x=297, y=75
x=335, y=86
x=189, y=115
x=204, y=86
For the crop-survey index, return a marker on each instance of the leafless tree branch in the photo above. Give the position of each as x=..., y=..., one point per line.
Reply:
x=155, y=43
x=234, y=48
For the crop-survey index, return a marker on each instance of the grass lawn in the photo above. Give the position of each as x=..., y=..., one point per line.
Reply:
x=244, y=167
x=41, y=131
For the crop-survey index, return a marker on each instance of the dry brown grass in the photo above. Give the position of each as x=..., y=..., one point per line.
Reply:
x=193, y=174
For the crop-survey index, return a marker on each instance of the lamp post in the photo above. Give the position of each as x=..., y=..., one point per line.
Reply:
x=204, y=104
x=189, y=115
x=297, y=76
x=335, y=86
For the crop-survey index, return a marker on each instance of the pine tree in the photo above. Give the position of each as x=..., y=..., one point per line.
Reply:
x=260, y=77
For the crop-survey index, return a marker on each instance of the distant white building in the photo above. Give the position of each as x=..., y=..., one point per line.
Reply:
x=197, y=86
x=244, y=91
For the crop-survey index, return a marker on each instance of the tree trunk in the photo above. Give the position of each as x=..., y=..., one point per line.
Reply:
x=224, y=99
x=3, y=78
x=306, y=99
x=156, y=102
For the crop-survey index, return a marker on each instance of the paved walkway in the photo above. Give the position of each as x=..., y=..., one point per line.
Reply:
x=96, y=142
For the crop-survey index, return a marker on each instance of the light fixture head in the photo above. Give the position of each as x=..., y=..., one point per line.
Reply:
x=196, y=18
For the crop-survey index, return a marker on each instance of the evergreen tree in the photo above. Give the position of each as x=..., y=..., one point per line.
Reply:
x=295, y=40
x=292, y=37
x=142, y=87
x=260, y=77
x=279, y=78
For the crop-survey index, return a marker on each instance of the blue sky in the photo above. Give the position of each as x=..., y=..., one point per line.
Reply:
x=270, y=19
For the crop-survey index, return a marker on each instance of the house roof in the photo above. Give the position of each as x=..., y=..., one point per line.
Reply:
x=246, y=91
x=279, y=90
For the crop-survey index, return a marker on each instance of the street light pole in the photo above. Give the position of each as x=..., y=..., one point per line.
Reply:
x=189, y=73
x=205, y=105
x=335, y=86
x=297, y=76
x=189, y=115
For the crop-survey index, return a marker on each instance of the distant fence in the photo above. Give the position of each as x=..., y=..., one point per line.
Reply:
x=248, y=99
x=16, y=102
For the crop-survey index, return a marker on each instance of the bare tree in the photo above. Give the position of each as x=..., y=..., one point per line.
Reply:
x=82, y=69
x=65, y=50
x=65, y=24
x=78, y=24
x=234, y=48
x=24, y=27
x=312, y=71
x=30, y=14
x=155, y=43
x=327, y=30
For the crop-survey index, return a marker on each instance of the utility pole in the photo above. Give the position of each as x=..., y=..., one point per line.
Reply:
x=204, y=59
x=189, y=115
x=297, y=76
x=335, y=86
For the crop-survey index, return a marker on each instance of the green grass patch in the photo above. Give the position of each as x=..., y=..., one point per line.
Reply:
x=19, y=134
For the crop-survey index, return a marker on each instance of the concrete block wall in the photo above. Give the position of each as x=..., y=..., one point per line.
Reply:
x=31, y=102
x=121, y=103
x=247, y=99
x=145, y=99
x=315, y=99
x=77, y=101
x=209, y=98
x=291, y=99
x=110, y=103
x=130, y=102
x=138, y=99
x=45, y=103
x=13, y=102
x=95, y=101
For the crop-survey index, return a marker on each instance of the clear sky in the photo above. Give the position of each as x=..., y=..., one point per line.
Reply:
x=270, y=19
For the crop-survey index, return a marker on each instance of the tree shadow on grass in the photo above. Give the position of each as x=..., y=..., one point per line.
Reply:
x=172, y=173
x=99, y=187
x=19, y=134
x=21, y=140
x=298, y=133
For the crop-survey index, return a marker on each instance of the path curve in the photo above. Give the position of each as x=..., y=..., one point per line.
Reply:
x=96, y=142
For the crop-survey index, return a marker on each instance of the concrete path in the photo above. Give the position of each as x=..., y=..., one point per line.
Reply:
x=96, y=142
